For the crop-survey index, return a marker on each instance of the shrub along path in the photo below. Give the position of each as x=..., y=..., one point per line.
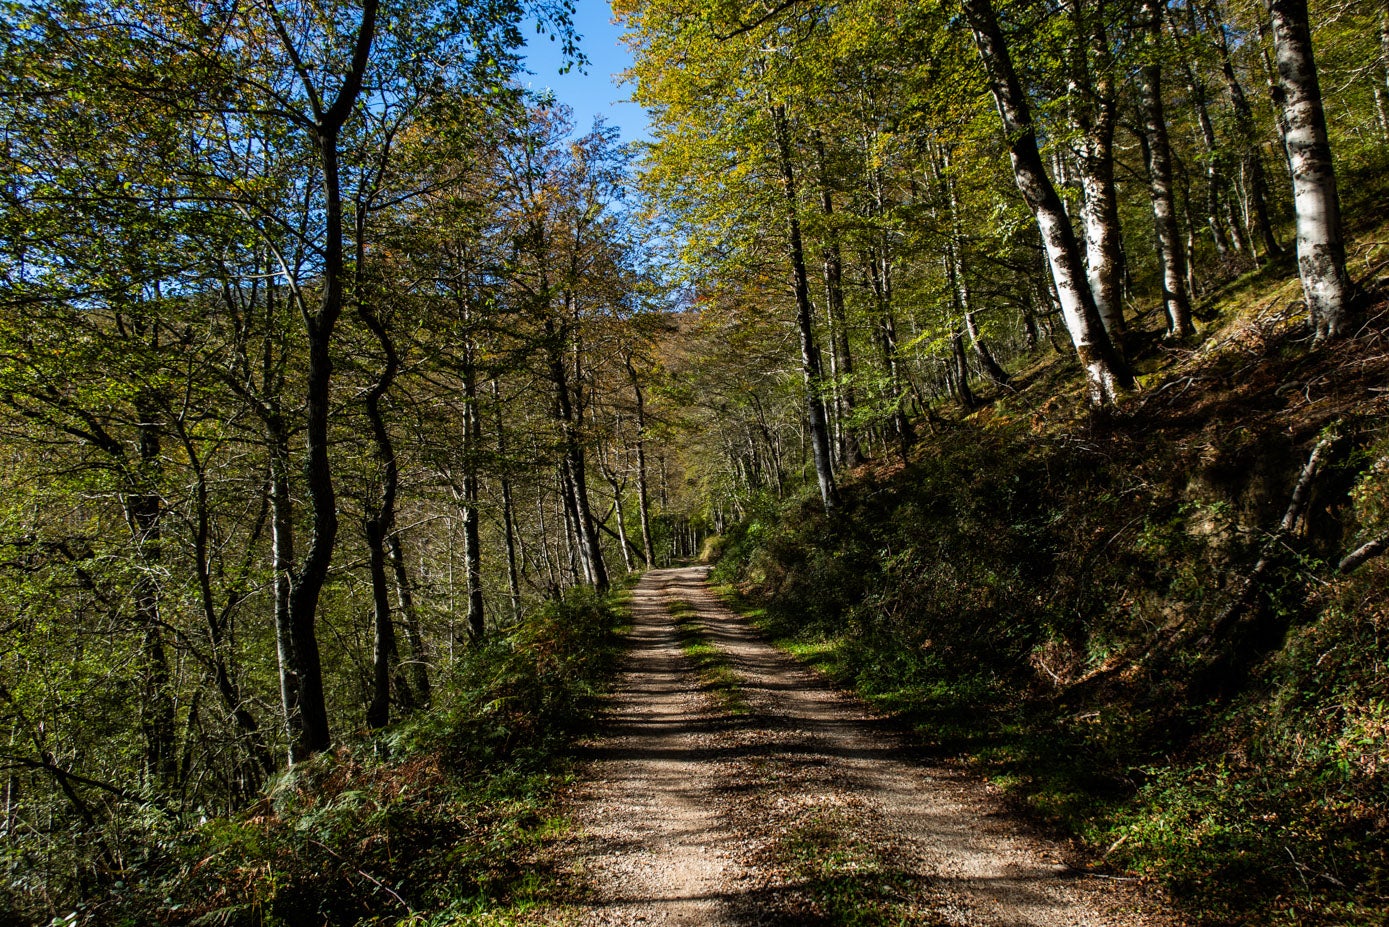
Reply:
x=788, y=803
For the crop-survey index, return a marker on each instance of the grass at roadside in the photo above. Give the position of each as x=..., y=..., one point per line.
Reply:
x=955, y=718
x=713, y=667
x=846, y=880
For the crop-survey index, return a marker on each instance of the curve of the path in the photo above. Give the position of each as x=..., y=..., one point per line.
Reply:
x=794, y=806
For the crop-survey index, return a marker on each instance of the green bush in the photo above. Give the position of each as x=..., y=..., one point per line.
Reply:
x=435, y=813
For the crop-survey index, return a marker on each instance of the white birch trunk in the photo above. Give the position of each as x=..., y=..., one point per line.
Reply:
x=1171, y=255
x=1321, y=253
x=1106, y=374
x=1093, y=116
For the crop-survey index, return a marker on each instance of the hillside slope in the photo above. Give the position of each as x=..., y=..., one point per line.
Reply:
x=1136, y=623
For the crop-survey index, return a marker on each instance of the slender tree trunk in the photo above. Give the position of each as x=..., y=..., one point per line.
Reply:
x=1247, y=139
x=1219, y=192
x=379, y=523
x=810, y=351
x=384, y=654
x=260, y=383
x=385, y=658
x=643, y=502
x=852, y=453
x=1237, y=212
x=546, y=556
x=1171, y=255
x=580, y=570
x=144, y=508
x=879, y=266
x=1031, y=332
x=960, y=285
x=1217, y=184
x=308, y=580
x=284, y=562
x=991, y=367
x=310, y=734
x=773, y=447
x=1321, y=252
x=1382, y=85
x=262, y=762
x=590, y=548
x=665, y=483
x=618, y=489
x=468, y=502
x=1189, y=283
x=834, y=409
x=1106, y=373
x=410, y=620
x=513, y=574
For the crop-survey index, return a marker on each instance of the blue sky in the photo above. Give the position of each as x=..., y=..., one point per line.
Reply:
x=596, y=92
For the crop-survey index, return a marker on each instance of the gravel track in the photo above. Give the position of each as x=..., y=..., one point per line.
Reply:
x=804, y=809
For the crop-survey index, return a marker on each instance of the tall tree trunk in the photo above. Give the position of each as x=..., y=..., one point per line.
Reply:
x=878, y=260
x=852, y=451
x=991, y=367
x=261, y=761
x=552, y=578
x=805, y=319
x=468, y=501
x=1189, y=282
x=260, y=383
x=513, y=573
x=1247, y=139
x=619, y=488
x=1217, y=184
x=307, y=718
x=1171, y=254
x=960, y=285
x=575, y=473
x=643, y=501
x=144, y=508
x=773, y=447
x=377, y=527
x=310, y=733
x=379, y=522
x=881, y=281
x=1382, y=84
x=1321, y=252
x=385, y=658
x=574, y=482
x=1100, y=218
x=580, y=570
x=410, y=620
x=1031, y=330
x=1106, y=373
x=665, y=482
x=284, y=563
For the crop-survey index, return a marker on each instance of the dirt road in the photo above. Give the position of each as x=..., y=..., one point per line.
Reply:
x=788, y=804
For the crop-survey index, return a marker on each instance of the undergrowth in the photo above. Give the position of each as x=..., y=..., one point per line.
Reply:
x=433, y=822
x=1041, y=597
